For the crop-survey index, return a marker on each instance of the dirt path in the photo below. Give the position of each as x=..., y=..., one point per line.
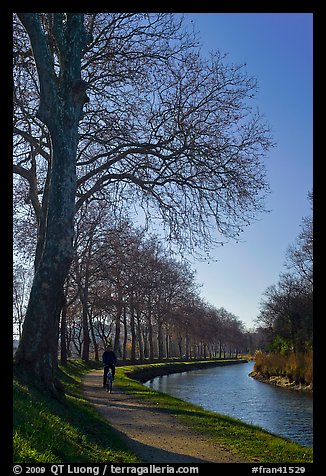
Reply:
x=156, y=437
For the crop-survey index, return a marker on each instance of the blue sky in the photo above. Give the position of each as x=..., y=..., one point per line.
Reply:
x=277, y=48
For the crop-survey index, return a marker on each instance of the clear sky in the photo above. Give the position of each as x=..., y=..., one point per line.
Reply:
x=277, y=48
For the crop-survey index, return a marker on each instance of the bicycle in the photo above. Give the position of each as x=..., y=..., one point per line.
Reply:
x=109, y=381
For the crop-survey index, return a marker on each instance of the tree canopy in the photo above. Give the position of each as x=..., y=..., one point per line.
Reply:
x=163, y=128
x=123, y=108
x=287, y=307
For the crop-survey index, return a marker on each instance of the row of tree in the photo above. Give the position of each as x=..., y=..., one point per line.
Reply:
x=124, y=108
x=286, y=315
x=124, y=288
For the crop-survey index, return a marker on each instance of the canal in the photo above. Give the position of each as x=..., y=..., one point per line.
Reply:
x=230, y=391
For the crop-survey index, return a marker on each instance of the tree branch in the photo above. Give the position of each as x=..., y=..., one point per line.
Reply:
x=44, y=64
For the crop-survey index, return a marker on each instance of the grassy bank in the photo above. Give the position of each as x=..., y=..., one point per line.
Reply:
x=145, y=372
x=47, y=431
x=249, y=441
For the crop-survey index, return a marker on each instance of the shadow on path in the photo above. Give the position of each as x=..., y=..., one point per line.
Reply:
x=154, y=435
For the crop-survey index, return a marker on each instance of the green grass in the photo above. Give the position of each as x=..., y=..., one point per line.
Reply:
x=48, y=431
x=251, y=442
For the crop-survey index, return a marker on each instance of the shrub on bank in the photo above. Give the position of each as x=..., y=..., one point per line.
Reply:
x=297, y=367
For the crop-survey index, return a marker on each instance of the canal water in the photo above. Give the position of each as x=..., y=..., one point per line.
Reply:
x=229, y=390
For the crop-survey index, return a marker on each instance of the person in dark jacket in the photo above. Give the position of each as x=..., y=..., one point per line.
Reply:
x=109, y=360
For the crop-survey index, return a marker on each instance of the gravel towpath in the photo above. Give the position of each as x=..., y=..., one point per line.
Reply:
x=155, y=436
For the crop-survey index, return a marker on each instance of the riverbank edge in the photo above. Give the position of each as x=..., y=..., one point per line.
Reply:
x=144, y=374
x=250, y=441
x=279, y=381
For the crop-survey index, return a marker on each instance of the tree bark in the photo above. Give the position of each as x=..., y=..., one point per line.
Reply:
x=116, y=342
x=133, y=334
x=160, y=339
x=95, y=343
x=139, y=336
x=86, y=338
x=61, y=100
x=63, y=333
x=150, y=336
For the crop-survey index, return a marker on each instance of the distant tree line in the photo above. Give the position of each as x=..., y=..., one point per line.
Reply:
x=124, y=288
x=286, y=317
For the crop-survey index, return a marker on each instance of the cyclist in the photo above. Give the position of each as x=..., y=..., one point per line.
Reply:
x=109, y=360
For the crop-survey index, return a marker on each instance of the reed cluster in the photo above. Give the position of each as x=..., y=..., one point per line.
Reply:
x=297, y=367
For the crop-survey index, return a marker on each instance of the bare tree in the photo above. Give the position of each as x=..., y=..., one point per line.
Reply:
x=61, y=100
x=287, y=311
x=300, y=254
x=162, y=128
x=287, y=307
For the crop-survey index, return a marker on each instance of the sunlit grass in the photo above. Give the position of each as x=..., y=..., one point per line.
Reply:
x=49, y=431
x=248, y=441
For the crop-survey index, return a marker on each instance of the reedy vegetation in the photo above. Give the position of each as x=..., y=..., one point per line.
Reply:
x=296, y=367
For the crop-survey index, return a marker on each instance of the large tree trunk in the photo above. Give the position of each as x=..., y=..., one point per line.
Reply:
x=150, y=337
x=160, y=339
x=125, y=334
x=86, y=338
x=61, y=101
x=63, y=333
x=139, y=336
x=39, y=343
x=133, y=334
x=116, y=342
x=38, y=348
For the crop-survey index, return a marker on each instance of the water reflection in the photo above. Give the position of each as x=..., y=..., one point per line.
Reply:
x=229, y=390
